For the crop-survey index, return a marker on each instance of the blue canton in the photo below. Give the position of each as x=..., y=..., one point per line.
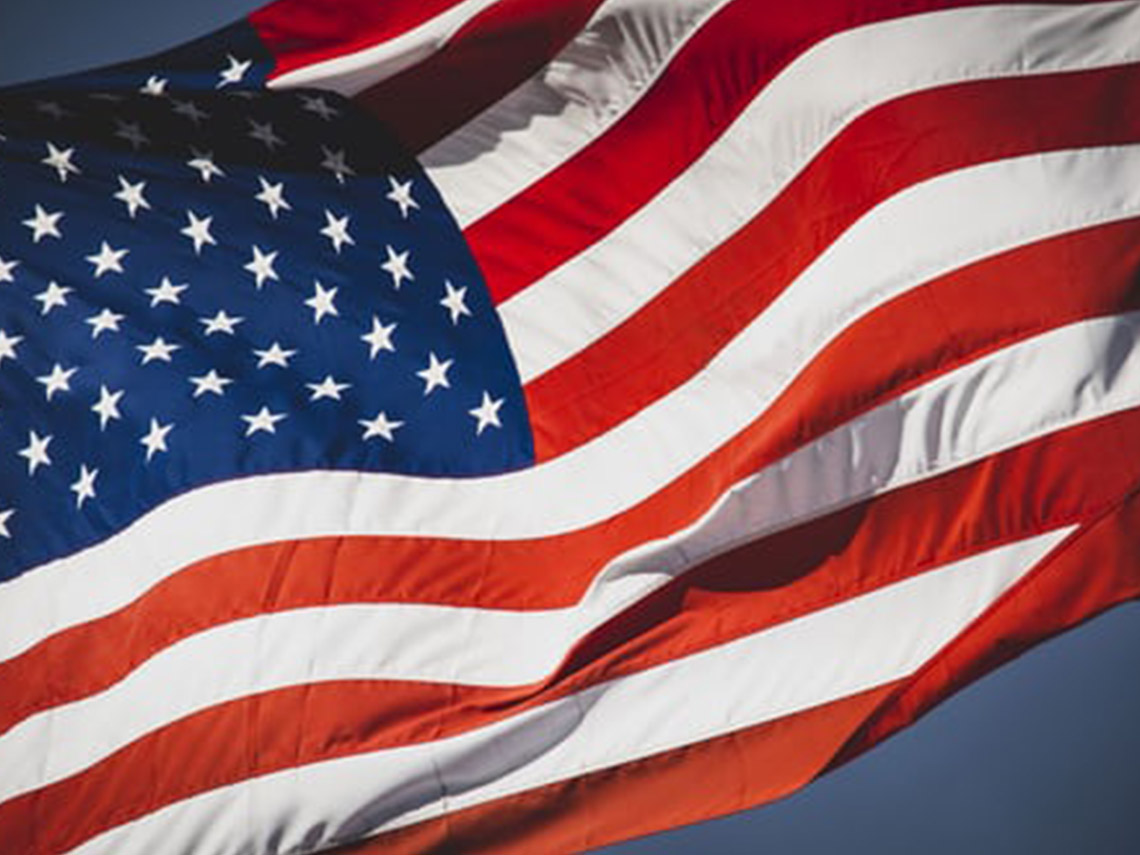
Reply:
x=201, y=280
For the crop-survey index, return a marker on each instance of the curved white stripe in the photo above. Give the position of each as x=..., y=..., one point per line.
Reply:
x=1070, y=375
x=787, y=124
x=355, y=72
x=583, y=91
x=834, y=653
x=920, y=234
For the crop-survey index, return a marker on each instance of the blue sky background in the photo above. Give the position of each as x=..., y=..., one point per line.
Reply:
x=1041, y=758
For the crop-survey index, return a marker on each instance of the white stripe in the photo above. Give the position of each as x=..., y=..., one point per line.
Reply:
x=355, y=72
x=1070, y=375
x=833, y=653
x=787, y=124
x=582, y=92
x=925, y=232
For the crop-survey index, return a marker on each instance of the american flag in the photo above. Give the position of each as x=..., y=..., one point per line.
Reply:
x=457, y=426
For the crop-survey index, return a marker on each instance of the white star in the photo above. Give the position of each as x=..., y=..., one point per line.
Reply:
x=155, y=438
x=154, y=85
x=107, y=260
x=108, y=406
x=487, y=413
x=397, y=266
x=453, y=302
x=401, y=194
x=8, y=345
x=6, y=268
x=58, y=381
x=380, y=338
x=275, y=355
x=273, y=195
x=105, y=321
x=262, y=266
x=53, y=296
x=131, y=195
x=317, y=104
x=132, y=133
x=60, y=160
x=435, y=374
x=235, y=72
x=221, y=322
x=264, y=133
x=327, y=388
x=198, y=230
x=322, y=302
x=36, y=451
x=84, y=487
x=157, y=349
x=203, y=161
x=44, y=224
x=380, y=426
x=191, y=111
x=6, y=515
x=336, y=230
x=262, y=420
x=166, y=292
x=212, y=382
x=334, y=162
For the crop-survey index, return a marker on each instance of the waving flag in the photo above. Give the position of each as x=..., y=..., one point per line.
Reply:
x=516, y=426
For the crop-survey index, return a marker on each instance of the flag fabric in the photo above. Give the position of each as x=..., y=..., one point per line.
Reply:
x=515, y=426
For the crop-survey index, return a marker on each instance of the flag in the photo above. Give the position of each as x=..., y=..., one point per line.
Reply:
x=516, y=426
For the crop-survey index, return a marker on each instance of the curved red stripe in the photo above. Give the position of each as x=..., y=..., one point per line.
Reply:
x=1073, y=476
x=753, y=765
x=706, y=86
x=917, y=336
x=758, y=765
x=1091, y=572
x=487, y=58
x=883, y=152
x=304, y=32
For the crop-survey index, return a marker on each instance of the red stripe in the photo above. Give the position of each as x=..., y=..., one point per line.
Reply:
x=710, y=81
x=487, y=58
x=670, y=789
x=1092, y=572
x=675, y=335
x=760, y=764
x=303, y=32
x=280, y=731
x=1068, y=477
x=987, y=305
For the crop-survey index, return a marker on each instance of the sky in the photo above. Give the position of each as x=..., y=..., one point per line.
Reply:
x=1040, y=758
